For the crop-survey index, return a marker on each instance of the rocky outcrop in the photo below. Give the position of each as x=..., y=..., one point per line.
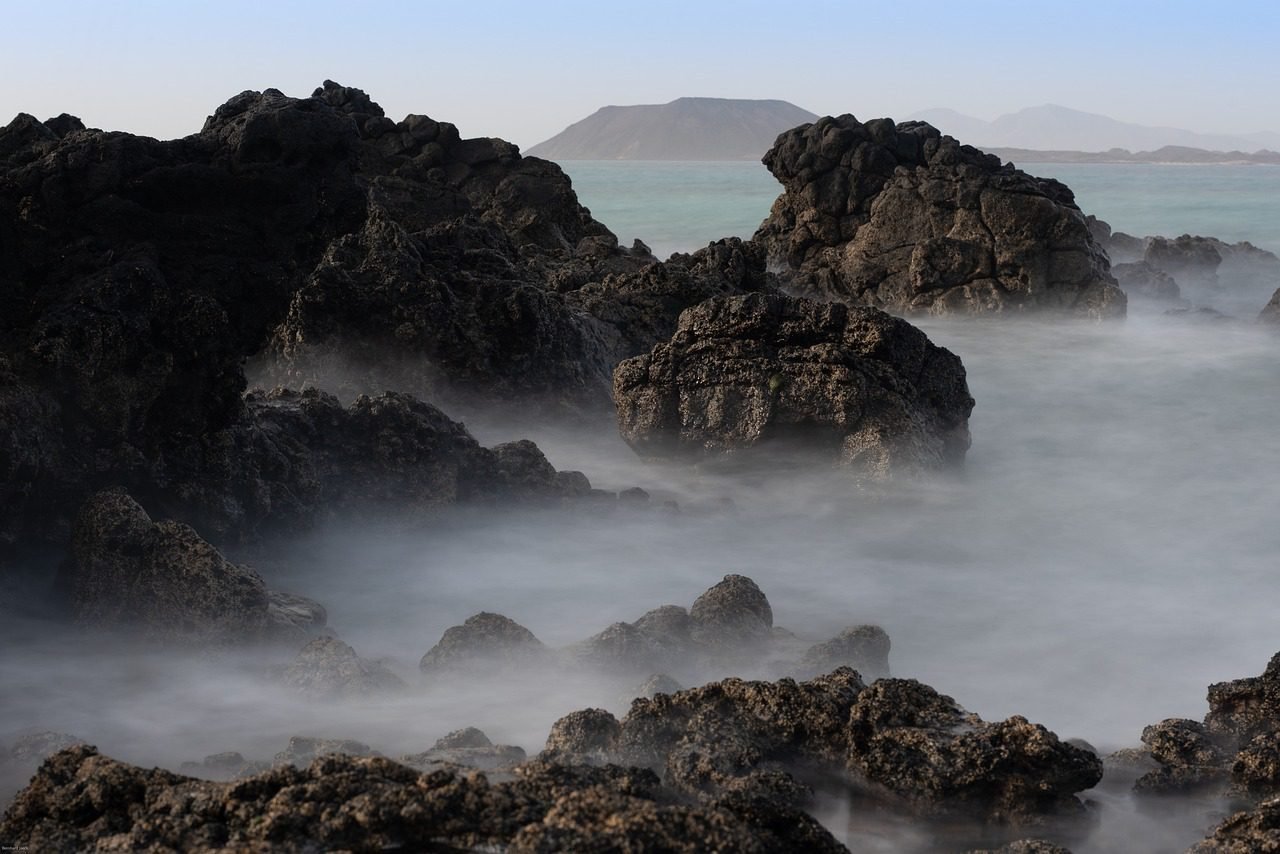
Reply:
x=161, y=581
x=910, y=744
x=327, y=668
x=1245, y=832
x=333, y=247
x=1140, y=278
x=1190, y=758
x=486, y=643
x=81, y=800
x=904, y=218
x=849, y=383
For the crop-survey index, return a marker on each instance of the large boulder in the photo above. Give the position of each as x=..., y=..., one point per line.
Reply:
x=904, y=218
x=849, y=383
x=161, y=581
x=911, y=745
x=485, y=643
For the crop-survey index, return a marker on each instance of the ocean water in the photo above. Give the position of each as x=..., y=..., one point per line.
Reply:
x=1108, y=550
x=679, y=207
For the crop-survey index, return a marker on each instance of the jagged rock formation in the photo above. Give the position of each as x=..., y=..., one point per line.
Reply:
x=729, y=625
x=684, y=129
x=1205, y=268
x=1246, y=832
x=330, y=244
x=1235, y=751
x=912, y=745
x=81, y=801
x=163, y=582
x=851, y=383
x=904, y=218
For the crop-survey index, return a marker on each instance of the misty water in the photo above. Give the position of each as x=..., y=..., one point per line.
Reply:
x=1108, y=550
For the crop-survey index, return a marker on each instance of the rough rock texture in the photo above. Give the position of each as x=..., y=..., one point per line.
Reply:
x=733, y=613
x=82, y=801
x=162, y=581
x=1246, y=707
x=1024, y=846
x=328, y=668
x=904, y=218
x=909, y=743
x=1141, y=279
x=1190, y=758
x=332, y=246
x=1255, y=831
x=922, y=746
x=864, y=648
x=850, y=383
x=486, y=643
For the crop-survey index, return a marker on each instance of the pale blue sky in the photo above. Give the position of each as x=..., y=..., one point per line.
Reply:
x=525, y=70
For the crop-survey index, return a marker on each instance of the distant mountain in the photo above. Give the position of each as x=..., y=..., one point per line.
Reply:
x=1064, y=129
x=685, y=129
x=1166, y=154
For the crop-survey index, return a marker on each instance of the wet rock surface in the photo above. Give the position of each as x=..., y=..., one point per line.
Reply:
x=904, y=218
x=1142, y=279
x=850, y=384
x=1246, y=832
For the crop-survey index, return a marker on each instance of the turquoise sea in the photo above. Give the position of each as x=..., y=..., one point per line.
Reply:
x=679, y=207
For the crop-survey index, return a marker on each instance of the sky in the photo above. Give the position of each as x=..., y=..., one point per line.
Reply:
x=523, y=70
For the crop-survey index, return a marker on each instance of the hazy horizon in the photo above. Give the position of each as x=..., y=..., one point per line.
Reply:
x=524, y=73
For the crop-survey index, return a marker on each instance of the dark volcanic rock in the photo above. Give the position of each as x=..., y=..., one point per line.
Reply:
x=1250, y=832
x=864, y=648
x=1246, y=707
x=83, y=801
x=907, y=741
x=161, y=580
x=733, y=613
x=467, y=747
x=1142, y=279
x=302, y=750
x=332, y=245
x=1191, y=758
x=1255, y=771
x=1190, y=260
x=327, y=667
x=904, y=218
x=484, y=644
x=921, y=746
x=850, y=383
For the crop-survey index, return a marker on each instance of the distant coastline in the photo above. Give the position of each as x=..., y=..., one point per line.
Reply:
x=1170, y=155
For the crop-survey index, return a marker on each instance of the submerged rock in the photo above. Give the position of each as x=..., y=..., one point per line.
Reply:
x=1190, y=758
x=1271, y=311
x=302, y=750
x=733, y=614
x=904, y=218
x=851, y=384
x=467, y=747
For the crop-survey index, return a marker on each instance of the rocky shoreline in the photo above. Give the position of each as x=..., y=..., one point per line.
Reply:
x=371, y=275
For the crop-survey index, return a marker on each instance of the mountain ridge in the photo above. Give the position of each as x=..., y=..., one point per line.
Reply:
x=687, y=128
x=1057, y=128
